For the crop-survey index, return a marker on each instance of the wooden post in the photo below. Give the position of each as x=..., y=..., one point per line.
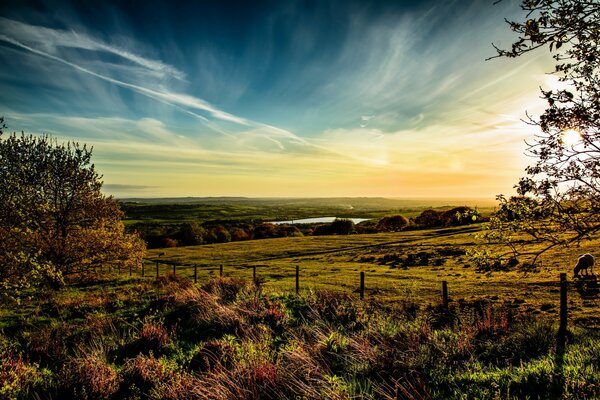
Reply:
x=195, y=273
x=445, y=294
x=221, y=271
x=562, y=330
x=297, y=279
x=174, y=269
x=157, y=270
x=130, y=270
x=254, y=273
x=362, y=285
x=143, y=269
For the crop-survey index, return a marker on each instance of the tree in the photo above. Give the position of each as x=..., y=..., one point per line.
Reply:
x=54, y=219
x=558, y=201
x=192, y=234
x=394, y=223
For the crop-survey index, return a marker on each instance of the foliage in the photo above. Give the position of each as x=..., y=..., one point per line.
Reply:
x=313, y=346
x=394, y=223
x=339, y=226
x=54, y=220
x=558, y=201
x=454, y=217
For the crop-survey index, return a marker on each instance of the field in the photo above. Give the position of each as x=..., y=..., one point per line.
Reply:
x=250, y=210
x=121, y=334
x=398, y=266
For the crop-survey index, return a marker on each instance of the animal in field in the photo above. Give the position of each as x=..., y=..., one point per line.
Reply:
x=583, y=263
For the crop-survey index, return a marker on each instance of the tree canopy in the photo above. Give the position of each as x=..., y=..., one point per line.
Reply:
x=558, y=201
x=54, y=219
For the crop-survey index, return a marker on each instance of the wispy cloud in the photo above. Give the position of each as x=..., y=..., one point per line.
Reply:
x=26, y=36
x=392, y=103
x=51, y=39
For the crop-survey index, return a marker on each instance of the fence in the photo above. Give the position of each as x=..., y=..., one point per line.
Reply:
x=163, y=267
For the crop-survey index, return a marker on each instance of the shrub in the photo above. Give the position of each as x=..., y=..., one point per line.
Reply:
x=238, y=234
x=342, y=226
x=191, y=234
x=89, y=377
x=19, y=379
x=169, y=242
x=221, y=234
x=200, y=315
x=212, y=354
x=227, y=289
x=394, y=223
x=429, y=219
x=145, y=373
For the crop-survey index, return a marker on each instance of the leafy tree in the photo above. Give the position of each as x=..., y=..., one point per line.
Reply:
x=342, y=226
x=394, y=223
x=239, y=234
x=54, y=220
x=558, y=201
x=192, y=234
x=429, y=218
x=222, y=234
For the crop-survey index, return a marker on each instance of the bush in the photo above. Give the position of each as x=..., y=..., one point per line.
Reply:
x=429, y=219
x=238, y=234
x=191, y=234
x=19, y=379
x=168, y=242
x=89, y=377
x=394, y=223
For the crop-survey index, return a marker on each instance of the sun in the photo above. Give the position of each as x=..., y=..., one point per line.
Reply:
x=570, y=137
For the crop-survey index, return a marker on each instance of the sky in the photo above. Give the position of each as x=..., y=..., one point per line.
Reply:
x=277, y=99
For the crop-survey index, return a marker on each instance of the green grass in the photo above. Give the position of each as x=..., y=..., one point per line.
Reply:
x=112, y=336
x=174, y=211
x=335, y=263
x=228, y=339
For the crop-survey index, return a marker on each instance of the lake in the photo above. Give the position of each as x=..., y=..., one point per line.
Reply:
x=322, y=220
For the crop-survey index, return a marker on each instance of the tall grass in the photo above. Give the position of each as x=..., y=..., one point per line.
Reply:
x=228, y=340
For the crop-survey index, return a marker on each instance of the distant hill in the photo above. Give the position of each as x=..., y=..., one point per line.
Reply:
x=331, y=202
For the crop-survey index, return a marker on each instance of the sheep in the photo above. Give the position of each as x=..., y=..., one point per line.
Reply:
x=583, y=263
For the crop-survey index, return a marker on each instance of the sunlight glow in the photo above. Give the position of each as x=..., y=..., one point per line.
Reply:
x=570, y=137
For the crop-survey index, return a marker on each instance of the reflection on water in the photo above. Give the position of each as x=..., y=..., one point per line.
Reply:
x=323, y=220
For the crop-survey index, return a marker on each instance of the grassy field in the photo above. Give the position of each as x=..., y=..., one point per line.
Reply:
x=397, y=266
x=109, y=335
x=200, y=210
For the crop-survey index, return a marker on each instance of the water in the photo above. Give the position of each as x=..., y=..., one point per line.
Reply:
x=322, y=220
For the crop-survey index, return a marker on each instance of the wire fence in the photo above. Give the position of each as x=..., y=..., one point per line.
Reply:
x=292, y=281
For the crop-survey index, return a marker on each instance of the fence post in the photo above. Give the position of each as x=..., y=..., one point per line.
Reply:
x=157, y=270
x=195, y=273
x=130, y=270
x=362, y=285
x=445, y=294
x=254, y=274
x=143, y=269
x=297, y=279
x=174, y=273
x=220, y=270
x=562, y=330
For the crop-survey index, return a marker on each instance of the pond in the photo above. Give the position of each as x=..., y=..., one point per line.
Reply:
x=319, y=220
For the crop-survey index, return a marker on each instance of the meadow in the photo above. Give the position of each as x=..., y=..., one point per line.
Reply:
x=130, y=334
x=240, y=209
x=398, y=266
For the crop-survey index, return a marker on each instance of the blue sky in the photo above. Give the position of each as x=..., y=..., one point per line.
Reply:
x=301, y=98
